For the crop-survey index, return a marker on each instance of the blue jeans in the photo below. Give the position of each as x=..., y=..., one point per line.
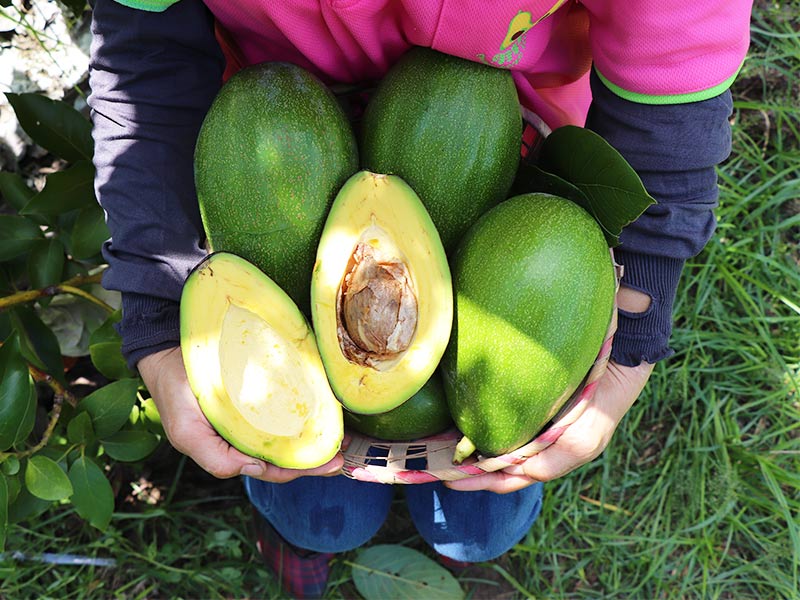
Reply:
x=336, y=514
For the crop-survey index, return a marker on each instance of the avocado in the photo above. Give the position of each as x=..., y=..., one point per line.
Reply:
x=273, y=150
x=534, y=284
x=424, y=414
x=381, y=294
x=252, y=362
x=451, y=129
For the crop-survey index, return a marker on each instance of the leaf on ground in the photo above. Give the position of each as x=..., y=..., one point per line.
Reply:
x=394, y=571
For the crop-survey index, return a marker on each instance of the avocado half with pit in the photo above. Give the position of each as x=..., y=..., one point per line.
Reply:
x=252, y=362
x=381, y=294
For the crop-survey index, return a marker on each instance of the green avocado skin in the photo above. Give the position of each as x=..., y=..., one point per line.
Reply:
x=451, y=129
x=424, y=414
x=534, y=285
x=273, y=151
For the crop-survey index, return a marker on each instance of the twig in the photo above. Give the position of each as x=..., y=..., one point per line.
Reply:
x=70, y=286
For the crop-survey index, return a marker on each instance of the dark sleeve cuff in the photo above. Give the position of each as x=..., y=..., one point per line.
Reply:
x=644, y=337
x=148, y=324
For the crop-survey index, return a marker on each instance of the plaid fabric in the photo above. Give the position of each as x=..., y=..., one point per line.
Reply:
x=451, y=564
x=302, y=573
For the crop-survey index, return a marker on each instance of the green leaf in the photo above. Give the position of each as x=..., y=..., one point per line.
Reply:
x=3, y=512
x=615, y=192
x=10, y=465
x=531, y=178
x=76, y=7
x=46, y=263
x=393, y=571
x=151, y=417
x=93, y=497
x=17, y=236
x=26, y=506
x=79, y=429
x=38, y=343
x=14, y=190
x=70, y=189
x=54, y=125
x=89, y=232
x=130, y=445
x=110, y=406
x=46, y=480
x=17, y=395
x=105, y=348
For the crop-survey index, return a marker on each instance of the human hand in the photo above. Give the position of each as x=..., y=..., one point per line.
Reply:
x=580, y=443
x=190, y=432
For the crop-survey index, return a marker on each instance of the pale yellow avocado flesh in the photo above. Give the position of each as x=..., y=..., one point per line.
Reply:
x=385, y=213
x=252, y=362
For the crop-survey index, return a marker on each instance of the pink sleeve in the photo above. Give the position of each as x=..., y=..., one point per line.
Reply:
x=668, y=51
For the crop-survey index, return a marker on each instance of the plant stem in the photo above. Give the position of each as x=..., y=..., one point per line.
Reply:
x=61, y=394
x=70, y=286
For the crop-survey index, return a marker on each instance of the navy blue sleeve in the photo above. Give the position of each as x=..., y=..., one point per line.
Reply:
x=153, y=77
x=675, y=150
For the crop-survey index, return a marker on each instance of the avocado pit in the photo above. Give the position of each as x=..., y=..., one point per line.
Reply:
x=377, y=308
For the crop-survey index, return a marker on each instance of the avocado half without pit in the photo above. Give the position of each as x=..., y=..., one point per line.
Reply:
x=252, y=362
x=381, y=294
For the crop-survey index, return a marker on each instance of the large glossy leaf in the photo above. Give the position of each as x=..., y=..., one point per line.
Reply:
x=14, y=190
x=393, y=571
x=38, y=343
x=130, y=445
x=46, y=263
x=92, y=495
x=89, y=232
x=614, y=191
x=70, y=189
x=531, y=178
x=54, y=125
x=45, y=479
x=17, y=395
x=17, y=236
x=110, y=406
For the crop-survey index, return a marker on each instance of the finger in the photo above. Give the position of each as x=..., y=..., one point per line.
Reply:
x=277, y=474
x=500, y=482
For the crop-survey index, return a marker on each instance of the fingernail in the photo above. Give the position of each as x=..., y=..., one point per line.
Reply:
x=254, y=470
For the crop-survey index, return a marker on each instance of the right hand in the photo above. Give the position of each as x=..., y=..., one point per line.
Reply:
x=189, y=431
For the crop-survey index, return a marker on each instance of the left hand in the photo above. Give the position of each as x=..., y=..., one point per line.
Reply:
x=580, y=443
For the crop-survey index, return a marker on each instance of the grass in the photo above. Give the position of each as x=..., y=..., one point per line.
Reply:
x=698, y=495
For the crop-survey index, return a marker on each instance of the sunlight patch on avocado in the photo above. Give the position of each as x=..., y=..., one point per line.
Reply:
x=264, y=377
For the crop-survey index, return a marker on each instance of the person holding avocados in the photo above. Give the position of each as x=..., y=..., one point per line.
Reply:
x=651, y=78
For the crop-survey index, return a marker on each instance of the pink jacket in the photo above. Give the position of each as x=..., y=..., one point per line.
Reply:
x=651, y=51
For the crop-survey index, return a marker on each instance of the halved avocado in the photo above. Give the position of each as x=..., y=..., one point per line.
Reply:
x=381, y=294
x=252, y=361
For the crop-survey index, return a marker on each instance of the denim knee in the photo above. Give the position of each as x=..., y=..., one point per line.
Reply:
x=472, y=526
x=323, y=514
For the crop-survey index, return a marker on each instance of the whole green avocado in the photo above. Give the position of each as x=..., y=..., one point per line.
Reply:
x=273, y=151
x=534, y=286
x=451, y=128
